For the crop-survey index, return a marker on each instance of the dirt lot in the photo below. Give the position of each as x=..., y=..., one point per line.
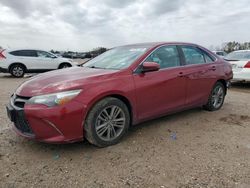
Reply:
x=194, y=148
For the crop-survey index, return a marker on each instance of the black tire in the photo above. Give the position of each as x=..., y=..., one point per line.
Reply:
x=92, y=120
x=211, y=104
x=17, y=70
x=64, y=65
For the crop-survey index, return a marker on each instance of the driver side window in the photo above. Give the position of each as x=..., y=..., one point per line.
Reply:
x=166, y=57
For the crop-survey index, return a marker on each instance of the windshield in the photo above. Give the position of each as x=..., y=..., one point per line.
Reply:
x=244, y=55
x=117, y=58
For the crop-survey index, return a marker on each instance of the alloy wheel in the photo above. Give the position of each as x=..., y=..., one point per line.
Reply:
x=110, y=123
x=218, y=96
x=17, y=71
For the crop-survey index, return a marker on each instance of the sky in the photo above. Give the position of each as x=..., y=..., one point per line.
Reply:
x=81, y=25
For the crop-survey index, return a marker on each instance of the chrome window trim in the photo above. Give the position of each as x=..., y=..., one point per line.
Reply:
x=185, y=65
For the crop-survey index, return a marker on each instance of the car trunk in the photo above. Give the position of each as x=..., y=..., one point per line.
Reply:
x=238, y=66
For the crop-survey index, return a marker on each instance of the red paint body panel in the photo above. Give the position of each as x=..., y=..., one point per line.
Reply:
x=162, y=91
x=150, y=94
x=58, y=124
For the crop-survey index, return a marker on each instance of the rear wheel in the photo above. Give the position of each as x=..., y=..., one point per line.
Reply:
x=107, y=122
x=64, y=66
x=216, y=98
x=17, y=70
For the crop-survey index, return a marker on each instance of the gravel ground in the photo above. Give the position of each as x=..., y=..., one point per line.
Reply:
x=194, y=148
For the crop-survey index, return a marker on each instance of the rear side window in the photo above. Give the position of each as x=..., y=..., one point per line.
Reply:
x=44, y=54
x=24, y=53
x=166, y=57
x=195, y=56
x=208, y=58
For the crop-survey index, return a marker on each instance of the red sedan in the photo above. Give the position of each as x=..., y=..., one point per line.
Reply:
x=122, y=87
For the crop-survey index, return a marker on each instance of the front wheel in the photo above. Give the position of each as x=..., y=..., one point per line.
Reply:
x=216, y=98
x=107, y=122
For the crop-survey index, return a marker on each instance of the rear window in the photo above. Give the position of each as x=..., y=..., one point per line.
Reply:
x=238, y=55
x=25, y=53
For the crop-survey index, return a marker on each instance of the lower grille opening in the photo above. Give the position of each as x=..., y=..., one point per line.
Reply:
x=21, y=123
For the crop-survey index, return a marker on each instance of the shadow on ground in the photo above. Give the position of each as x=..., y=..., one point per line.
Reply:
x=241, y=86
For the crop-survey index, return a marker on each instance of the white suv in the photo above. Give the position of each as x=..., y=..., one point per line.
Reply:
x=19, y=62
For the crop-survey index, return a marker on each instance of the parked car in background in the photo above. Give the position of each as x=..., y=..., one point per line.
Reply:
x=74, y=55
x=19, y=62
x=220, y=53
x=122, y=87
x=240, y=61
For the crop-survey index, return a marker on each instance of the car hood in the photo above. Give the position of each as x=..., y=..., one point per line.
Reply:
x=62, y=80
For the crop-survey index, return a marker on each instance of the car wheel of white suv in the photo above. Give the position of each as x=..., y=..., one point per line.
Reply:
x=64, y=65
x=17, y=70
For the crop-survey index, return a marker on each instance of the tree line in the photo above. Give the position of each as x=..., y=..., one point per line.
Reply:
x=233, y=46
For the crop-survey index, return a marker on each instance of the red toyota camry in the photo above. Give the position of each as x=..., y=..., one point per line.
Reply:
x=122, y=87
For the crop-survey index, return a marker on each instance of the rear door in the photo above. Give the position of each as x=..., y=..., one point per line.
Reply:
x=47, y=61
x=161, y=91
x=201, y=72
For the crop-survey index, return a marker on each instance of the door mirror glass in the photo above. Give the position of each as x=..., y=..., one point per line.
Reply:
x=150, y=66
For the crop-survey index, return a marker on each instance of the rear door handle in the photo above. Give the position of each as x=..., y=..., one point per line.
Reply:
x=213, y=68
x=181, y=74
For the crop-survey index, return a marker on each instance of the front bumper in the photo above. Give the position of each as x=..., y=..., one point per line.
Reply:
x=61, y=124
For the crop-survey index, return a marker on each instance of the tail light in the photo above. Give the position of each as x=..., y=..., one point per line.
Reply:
x=247, y=65
x=1, y=55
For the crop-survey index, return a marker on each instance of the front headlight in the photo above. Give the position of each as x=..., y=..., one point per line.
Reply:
x=54, y=99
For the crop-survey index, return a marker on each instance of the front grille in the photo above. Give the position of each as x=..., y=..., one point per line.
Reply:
x=20, y=101
x=21, y=123
x=18, y=114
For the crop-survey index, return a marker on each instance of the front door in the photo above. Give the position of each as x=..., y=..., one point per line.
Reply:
x=46, y=60
x=161, y=91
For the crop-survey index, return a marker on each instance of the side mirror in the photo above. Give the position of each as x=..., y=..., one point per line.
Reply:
x=150, y=66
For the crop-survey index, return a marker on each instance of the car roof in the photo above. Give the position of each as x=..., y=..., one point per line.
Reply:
x=17, y=49
x=155, y=44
